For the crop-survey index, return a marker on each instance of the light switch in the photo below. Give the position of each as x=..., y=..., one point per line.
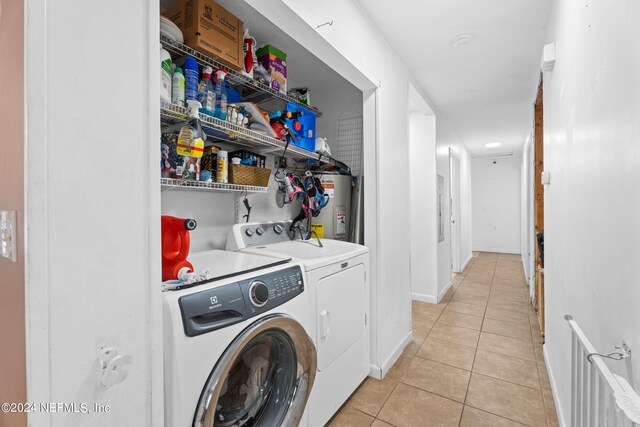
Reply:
x=8, y=235
x=545, y=178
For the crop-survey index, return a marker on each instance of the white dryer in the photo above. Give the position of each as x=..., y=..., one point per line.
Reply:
x=336, y=274
x=237, y=350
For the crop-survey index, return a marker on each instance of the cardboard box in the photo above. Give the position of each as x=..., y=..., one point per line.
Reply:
x=274, y=62
x=210, y=29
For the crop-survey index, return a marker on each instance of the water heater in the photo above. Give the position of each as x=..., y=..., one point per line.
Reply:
x=335, y=218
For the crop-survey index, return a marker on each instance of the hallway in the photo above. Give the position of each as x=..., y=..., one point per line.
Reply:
x=475, y=360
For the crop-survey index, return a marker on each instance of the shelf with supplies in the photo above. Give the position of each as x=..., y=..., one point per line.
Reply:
x=220, y=130
x=267, y=98
x=191, y=185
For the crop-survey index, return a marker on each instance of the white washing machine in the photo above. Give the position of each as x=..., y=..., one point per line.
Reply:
x=237, y=350
x=336, y=275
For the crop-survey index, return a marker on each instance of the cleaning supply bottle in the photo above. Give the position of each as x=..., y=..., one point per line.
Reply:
x=175, y=247
x=191, y=138
x=222, y=169
x=165, y=75
x=221, y=94
x=206, y=94
x=190, y=68
x=249, y=51
x=177, y=90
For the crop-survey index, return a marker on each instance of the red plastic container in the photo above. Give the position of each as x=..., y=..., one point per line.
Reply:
x=175, y=245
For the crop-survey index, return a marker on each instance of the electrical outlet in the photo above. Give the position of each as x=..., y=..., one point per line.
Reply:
x=8, y=235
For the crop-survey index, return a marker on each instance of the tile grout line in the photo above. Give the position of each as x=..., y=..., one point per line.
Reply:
x=465, y=399
x=493, y=292
x=544, y=405
x=508, y=355
x=507, y=381
x=464, y=403
x=497, y=415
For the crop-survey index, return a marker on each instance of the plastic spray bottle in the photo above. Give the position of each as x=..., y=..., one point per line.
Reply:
x=206, y=94
x=221, y=95
x=191, y=138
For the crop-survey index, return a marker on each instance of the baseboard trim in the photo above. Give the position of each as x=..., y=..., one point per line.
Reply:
x=464, y=265
x=375, y=372
x=444, y=291
x=554, y=388
x=499, y=251
x=396, y=354
x=424, y=298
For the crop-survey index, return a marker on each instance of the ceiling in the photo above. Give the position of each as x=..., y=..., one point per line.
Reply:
x=483, y=89
x=303, y=68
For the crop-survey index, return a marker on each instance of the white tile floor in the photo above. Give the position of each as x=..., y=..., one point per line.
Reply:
x=475, y=360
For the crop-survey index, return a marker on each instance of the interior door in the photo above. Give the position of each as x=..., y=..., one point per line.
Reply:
x=454, y=203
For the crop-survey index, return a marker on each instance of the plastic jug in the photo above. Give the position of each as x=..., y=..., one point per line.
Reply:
x=175, y=246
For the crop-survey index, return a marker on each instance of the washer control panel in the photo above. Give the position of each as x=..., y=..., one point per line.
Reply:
x=266, y=233
x=229, y=304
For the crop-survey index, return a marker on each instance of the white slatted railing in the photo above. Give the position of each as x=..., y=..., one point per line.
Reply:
x=599, y=398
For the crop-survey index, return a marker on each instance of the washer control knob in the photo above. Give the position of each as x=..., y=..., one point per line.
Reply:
x=259, y=230
x=278, y=229
x=259, y=293
x=249, y=232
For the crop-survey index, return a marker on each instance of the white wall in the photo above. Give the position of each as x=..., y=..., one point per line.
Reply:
x=92, y=203
x=422, y=164
x=391, y=291
x=335, y=101
x=217, y=212
x=497, y=225
x=592, y=204
x=447, y=139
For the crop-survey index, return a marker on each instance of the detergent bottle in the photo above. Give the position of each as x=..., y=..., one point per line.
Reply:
x=177, y=89
x=175, y=247
x=165, y=75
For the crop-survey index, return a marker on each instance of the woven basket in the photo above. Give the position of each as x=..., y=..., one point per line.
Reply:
x=249, y=175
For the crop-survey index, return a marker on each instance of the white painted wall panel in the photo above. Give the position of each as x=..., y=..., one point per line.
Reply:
x=393, y=293
x=424, y=254
x=93, y=235
x=497, y=204
x=592, y=205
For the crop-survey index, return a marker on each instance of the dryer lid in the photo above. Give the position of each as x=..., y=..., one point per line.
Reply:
x=225, y=264
x=308, y=253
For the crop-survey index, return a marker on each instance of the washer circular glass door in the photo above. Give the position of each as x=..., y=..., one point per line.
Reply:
x=263, y=379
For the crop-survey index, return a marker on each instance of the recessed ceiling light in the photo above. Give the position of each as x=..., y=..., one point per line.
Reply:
x=493, y=145
x=462, y=39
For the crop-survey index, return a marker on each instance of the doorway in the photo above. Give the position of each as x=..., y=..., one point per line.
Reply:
x=538, y=141
x=454, y=210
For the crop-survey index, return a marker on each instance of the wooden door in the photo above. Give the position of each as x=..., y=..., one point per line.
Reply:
x=539, y=200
